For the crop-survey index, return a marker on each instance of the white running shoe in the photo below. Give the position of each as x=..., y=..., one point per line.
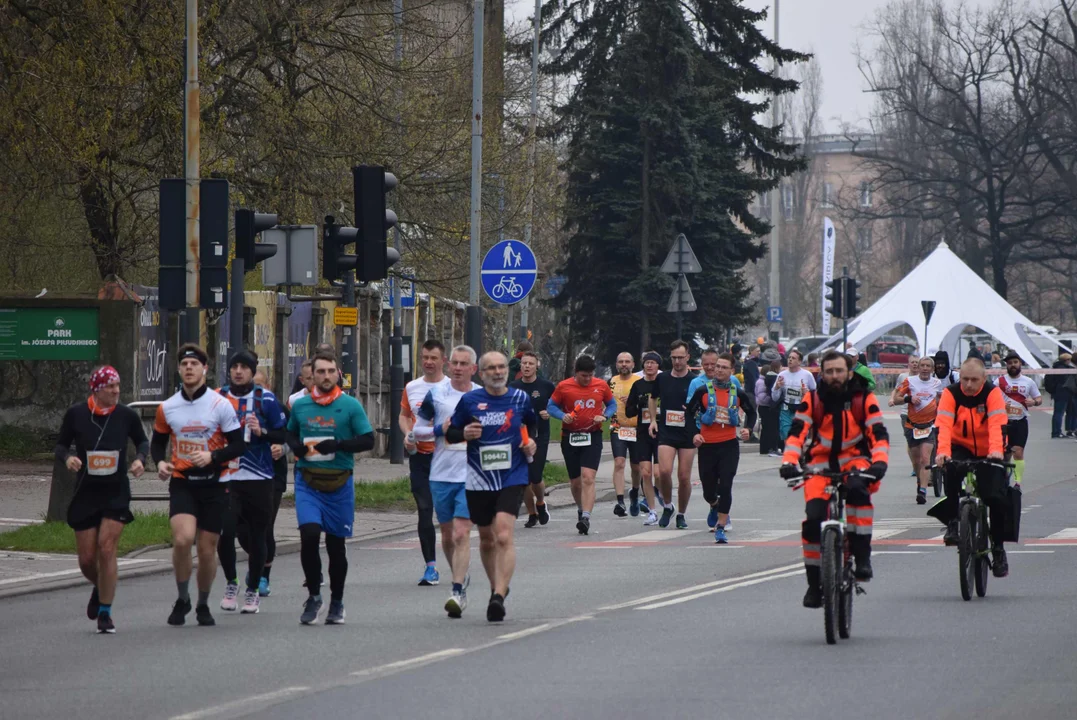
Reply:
x=229, y=603
x=456, y=604
x=652, y=519
x=250, y=602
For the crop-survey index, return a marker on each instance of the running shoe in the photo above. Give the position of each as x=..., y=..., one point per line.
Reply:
x=251, y=600
x=229, y=602
x=719, y=536
x=94, y=605
x=532, y=521
x=921, y=496
x=263, y=587
x=643, y=506
x=652, y=519
x=682, y=524
x=495, y=611
x=999, y=566
x=543, y=513
x=659, y=500
x=179, y=612
x=336, y=613
x=203, y=616
x=633, y=502
x=430, y=576
x=619, y=510
x=584, y=525
x=712, y=518
x=579, y=515
x=728, y=524
x=774, y=454
x=667, y=515
x=311, y=608
x=104, y=624
x=456, y=604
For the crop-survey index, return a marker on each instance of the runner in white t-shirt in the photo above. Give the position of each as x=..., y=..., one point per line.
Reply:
x=1020, y=393
x=306, y=378
x=790, y=389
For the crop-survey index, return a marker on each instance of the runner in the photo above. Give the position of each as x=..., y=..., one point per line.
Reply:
x=421, y=454
x=448, y=471
x=205, y=437
x=251, y=479
x=921, y=393
x=492, y=421
x=674, y=435
x=1021, y=393
x=280, y=486
x=943, y=371
x=539, y=390
x=717, y=399
x=623, y=441
x=638, y=406
x=789, y=391
x=306, y=380
x=325, y=431
x=582, y=403
x=100, y=428
x=912, y=370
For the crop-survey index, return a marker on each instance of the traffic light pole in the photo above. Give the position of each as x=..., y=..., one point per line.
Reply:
x=349, y=356
x=235, y=307
x=473, y=318
x=844, y=313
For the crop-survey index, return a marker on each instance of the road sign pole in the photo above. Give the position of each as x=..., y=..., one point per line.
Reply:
x=235, y=308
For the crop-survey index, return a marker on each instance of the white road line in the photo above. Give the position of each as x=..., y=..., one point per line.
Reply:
x=524, y=633
x=605, y=547
x=694, y=588
x=1067, y=534
x=654, y=536
x=1060, y=544
x=411, y=662
x=1030, y=552
x=696, y=596
x=713, y=545
x=241, y=704
x=898, y=552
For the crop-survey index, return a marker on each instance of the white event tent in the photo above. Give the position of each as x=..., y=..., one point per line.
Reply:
x=962, y=298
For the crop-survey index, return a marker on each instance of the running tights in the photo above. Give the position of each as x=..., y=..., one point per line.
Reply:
x=311, y=559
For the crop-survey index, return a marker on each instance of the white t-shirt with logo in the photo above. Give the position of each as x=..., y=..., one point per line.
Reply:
x=449, y=463
x=797, y=385
x=1014, y=390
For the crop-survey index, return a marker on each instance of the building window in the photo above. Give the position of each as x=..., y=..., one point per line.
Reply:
x=788, y=201
x=863, y=239
x=828, y=195
x=764, y=200
x=865, y=194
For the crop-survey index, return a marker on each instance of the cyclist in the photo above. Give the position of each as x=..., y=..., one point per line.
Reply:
x=637, y=406
x=205, y=437
x=1020, y=392
x=421, y=453
x=674, y=435
x=921, y=392
x=539, y=390
x=838, y=428
x=99, y=429
x=970, y=421
x=582, y=403
x=623, y=435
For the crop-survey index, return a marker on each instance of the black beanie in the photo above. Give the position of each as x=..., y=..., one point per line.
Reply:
x=244, y=357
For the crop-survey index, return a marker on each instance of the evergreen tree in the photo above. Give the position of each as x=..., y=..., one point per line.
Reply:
x=663, y=138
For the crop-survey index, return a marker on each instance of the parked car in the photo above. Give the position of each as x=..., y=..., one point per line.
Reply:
x=807, y=343
x=891, y=350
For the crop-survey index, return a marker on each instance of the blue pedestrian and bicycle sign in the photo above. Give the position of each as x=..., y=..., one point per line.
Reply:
x=508, y=272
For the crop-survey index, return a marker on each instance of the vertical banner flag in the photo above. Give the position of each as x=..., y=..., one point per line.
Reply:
x=828, y=269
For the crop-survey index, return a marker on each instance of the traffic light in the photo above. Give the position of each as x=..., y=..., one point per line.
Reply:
x=370, y=184
x=833, y=297
x=172, y=229
x=851, y=296
x=248, y=225
x=213, y=244
x=335, y=262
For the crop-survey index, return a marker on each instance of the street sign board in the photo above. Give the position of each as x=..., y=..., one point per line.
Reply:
x=774, y=313
x=346, y=316
x=554, y=285
x=508, y=272
x=929, y=309
x=681, y=258
x=407, y=287
x=681, y=297
x=296, y=260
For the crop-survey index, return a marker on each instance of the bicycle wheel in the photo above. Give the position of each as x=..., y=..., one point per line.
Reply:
x=936, y=481
x=498, y=291
x=983, y=567
x=845, y=607
x=966, y=550
x=516, y=290
x=831, y=552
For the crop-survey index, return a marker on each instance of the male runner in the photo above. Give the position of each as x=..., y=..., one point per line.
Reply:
x=421, y=454
x=921, y=392
x=1021, y=393
x=251, y=479
x=789, y=391
x=492, y=421
x=673, y=433
x=100, y=428
x=623, y=440
x=539, y=390
x=325, y=431
x=638, y=406
x=718, y=399
x=582, y=403
x=280, y=486
x=306, y=381
x=205, y=436
x=448, y=471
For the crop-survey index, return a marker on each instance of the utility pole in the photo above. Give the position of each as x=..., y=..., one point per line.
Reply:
x=473, y=319
x=532, y=155
x=189, y=331
x=396, y=344
x=775, y=202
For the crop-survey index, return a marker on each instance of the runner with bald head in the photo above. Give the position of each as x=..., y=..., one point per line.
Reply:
x=623, y=440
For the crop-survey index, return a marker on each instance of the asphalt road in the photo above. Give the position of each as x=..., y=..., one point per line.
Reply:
x=629, y=622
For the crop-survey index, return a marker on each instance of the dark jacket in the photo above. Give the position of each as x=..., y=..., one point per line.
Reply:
x=751, y=372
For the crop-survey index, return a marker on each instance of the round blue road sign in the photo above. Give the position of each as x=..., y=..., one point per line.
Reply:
x=508, y=272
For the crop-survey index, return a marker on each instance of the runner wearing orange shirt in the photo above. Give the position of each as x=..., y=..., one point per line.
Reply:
x=921, y=393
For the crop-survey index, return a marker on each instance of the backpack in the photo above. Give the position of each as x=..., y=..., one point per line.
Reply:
x=708, y=416
x=258, y=392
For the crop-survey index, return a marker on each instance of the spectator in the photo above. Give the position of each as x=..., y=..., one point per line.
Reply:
x=1063, y=390
x=769, y=443
x=751, y=377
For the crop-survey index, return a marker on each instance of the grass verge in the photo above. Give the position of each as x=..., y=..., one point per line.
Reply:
x=392, y=495
x=554, y=474
x=555, y=430
x=57, y=537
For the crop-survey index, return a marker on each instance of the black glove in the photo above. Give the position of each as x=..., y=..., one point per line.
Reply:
x=788, y=471
x=325, y=447
x=877, y=470
x=297, y=446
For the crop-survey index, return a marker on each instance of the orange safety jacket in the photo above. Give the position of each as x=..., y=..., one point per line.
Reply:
x=974, y=422
x=862, y=442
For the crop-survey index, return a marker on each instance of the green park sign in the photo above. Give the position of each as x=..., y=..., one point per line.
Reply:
x=49, y=334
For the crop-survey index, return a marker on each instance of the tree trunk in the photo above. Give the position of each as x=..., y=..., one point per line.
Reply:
x=645, y=233
x=103, y=243
x=61, y=492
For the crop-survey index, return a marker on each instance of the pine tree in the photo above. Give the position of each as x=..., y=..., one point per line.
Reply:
x=663, y=138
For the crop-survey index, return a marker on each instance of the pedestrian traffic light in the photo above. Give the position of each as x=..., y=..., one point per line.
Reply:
x=833, y=297
x=370, y=184
x=335, y=262
x=851, y=296
x=213, y=243
x=248, y=225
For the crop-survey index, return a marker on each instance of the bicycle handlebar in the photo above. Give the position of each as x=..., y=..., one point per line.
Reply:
x=974, y=463
x=831, y=475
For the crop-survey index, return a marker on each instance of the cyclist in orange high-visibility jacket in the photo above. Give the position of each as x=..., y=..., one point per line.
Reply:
x=839, y=427
x=972, y=413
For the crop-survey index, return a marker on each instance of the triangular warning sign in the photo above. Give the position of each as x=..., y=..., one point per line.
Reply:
x=681, y=258
x=681, y=298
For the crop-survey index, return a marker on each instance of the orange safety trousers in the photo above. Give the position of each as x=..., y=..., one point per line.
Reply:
x=859, y=513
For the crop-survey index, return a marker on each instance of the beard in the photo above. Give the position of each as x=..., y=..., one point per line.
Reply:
x=830, y=392
x=1013, y=372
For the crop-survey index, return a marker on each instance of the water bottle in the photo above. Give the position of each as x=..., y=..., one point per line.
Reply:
x=411, y=441
x=246, y=426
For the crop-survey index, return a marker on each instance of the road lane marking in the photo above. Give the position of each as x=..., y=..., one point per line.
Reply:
x=1067, y=534
x=410, y=662
x=714, y=545
x=1030, y=552
x=715, y=591
x=694, y=588
x=524, y=633
x=604, y=547
x=241, y=704
x=899, y=552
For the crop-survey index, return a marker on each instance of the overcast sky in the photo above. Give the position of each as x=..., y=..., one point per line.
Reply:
x=829, y=28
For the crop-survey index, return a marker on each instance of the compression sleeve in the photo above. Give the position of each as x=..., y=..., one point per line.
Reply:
x=632, y=403
x=359, y=443
x=138, y=436
x=159, y=445
x=232, y=450
x=611, y=408
x=454, y=434
x=67, y=435
x=556, y=412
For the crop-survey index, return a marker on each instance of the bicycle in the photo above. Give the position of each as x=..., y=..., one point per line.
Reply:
x=839, y=585
x=973, y=528
x=508, y=286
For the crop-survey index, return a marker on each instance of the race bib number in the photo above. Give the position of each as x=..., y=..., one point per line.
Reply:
x=312, y=454
x=102, y=462
x=793, y=395
x=627, y=434
x=675, y=418
x=645, y=416
x=495, y=457
x=186, y=447
x=1014, y=410
x=721, y=415
x=579, y=439
x=921, y=433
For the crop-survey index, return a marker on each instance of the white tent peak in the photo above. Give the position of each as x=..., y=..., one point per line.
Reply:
x=962, y=298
